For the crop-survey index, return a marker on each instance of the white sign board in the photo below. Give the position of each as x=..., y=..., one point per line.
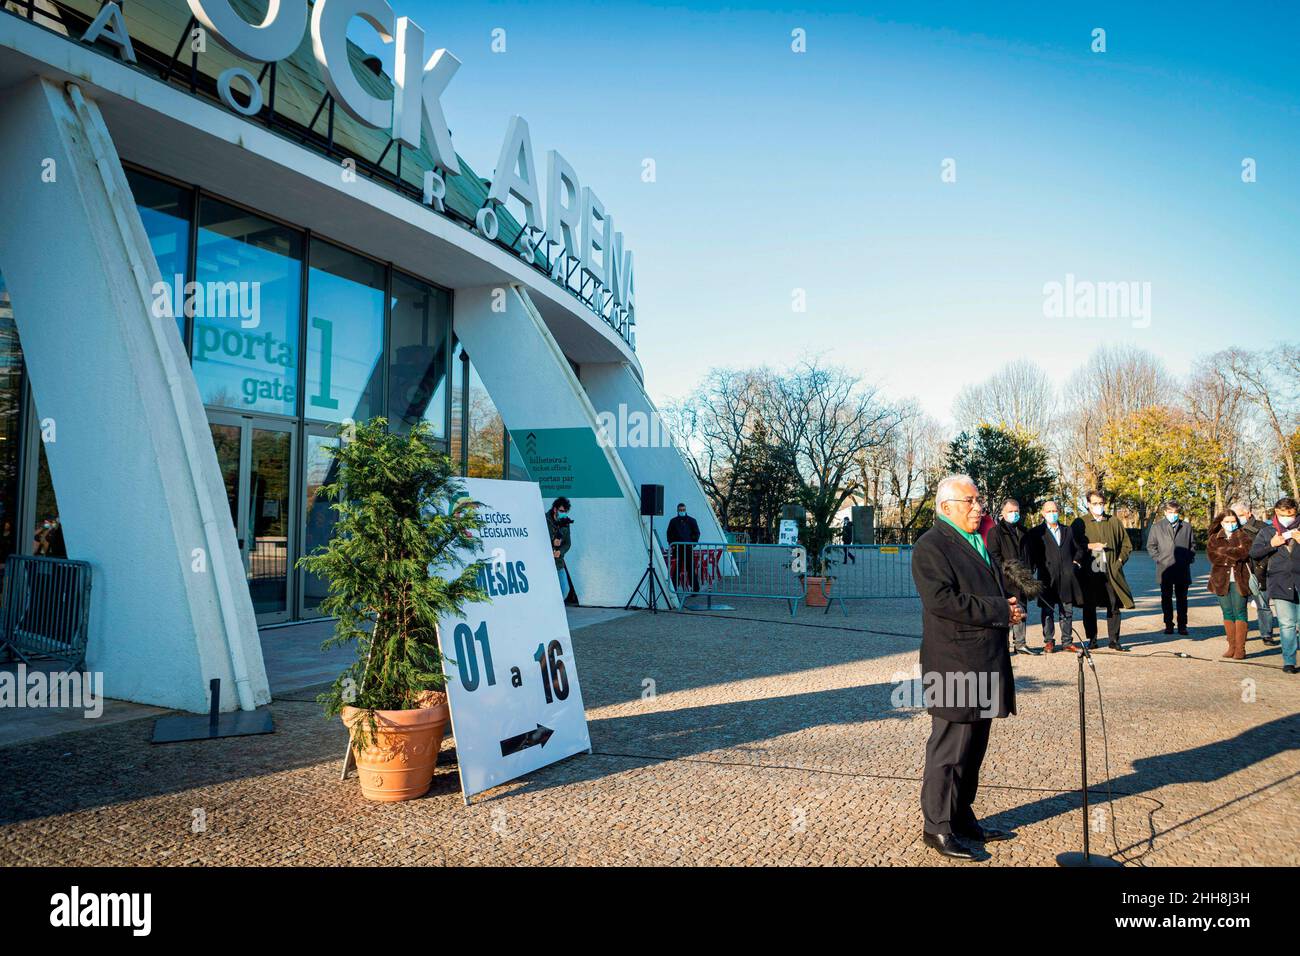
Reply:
x=789, y=532
x=512, y=683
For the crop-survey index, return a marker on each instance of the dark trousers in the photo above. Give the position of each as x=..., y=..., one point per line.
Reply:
x=687, y=574
x=1173, y=590
x=1112, y=616
x=952, y=770
x=1049, y=623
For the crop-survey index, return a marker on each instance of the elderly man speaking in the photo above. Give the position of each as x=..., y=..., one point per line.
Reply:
x=966, y=668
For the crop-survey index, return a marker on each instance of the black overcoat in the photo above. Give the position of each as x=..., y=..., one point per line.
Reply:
x=964, y=622
x=1054, y=564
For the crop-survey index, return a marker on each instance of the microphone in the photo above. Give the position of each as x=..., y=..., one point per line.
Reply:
x=1021, y=578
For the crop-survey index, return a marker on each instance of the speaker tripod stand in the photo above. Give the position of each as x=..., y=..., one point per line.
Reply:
x=649, y=580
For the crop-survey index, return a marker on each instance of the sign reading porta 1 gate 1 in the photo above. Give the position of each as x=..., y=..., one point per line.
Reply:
x=512, y=683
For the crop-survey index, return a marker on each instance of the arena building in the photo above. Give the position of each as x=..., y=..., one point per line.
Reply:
x=225, y=231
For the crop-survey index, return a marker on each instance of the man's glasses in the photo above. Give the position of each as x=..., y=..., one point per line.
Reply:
x=976, y=500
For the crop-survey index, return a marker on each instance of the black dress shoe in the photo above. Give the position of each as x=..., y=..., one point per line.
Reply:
x=985, y=835
x=1182, y=631
x=1092, y=644
x=1116, y=646
x=1288, y=669
x=1169, y=629
x=948, y=845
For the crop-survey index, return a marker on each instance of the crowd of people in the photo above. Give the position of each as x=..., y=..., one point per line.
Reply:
x=976, y=574
x=1253, y=561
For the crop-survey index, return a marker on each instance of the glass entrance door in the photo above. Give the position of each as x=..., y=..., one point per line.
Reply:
x=256, y=458
x=320, y=469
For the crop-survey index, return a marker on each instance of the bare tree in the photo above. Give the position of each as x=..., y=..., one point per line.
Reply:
x=826, y=416
x=1269, y=380
x=1116, y=381
x=906, y=467
x=1218, y=408
x=714, y=423
x=1020, y=396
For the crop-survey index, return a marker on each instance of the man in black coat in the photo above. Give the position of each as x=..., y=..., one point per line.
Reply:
x=1051, y=552
x=1006, y=542
x=965, y=664
x=683, y=532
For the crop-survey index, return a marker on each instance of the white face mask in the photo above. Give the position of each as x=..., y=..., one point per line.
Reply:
x=1286, y=521
x=1098, y=510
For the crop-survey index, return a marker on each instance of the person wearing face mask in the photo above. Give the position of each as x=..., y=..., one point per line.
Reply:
x=1258, y=573
x=683, y=532
x=1173, y=549
x=1228, y=549
x=1005, y=542
x=1104, y=548
x=1278, y=544
x=558, y=525
x=1052, y=555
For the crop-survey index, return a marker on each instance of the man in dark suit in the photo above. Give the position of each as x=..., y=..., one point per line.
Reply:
x=1172, y=546
x=1051, y=552
x=965, y=664
x=683, y=532
x=1005, y=542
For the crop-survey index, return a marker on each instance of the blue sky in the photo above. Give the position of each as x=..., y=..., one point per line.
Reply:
x=821, y=171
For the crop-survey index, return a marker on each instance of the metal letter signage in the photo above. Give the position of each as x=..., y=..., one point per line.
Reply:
x=512, y=682
x=576, y=220
x=329, y=41
x=273, y=39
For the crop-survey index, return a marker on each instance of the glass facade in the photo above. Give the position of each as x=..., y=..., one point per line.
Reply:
x=345, y=335
x=166, y=211
x=245, y=306
x=417, y=355
x=249, y=293
x=11, y=426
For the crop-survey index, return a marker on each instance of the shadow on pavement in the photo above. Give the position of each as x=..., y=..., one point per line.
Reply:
x=1203, y=764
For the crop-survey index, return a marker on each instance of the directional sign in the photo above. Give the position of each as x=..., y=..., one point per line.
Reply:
x=512, y=683
x=566, y=461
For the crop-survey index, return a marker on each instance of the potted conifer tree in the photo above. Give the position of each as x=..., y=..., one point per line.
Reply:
x=393, y=532
x=817, y=583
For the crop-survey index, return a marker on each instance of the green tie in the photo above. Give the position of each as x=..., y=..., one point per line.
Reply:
x=975, y=540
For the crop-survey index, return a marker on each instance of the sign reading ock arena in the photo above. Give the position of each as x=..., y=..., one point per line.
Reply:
x=263, y=254
x=576, y=220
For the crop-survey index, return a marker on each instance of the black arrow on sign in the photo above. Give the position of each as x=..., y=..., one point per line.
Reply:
x=531, y=738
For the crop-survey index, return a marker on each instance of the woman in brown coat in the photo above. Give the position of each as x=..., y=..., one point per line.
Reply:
x=1228, y=549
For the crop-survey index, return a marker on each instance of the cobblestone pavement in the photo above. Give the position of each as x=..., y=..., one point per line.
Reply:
x=766, y=741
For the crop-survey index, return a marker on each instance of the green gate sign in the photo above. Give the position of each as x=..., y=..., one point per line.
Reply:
x=566, y=461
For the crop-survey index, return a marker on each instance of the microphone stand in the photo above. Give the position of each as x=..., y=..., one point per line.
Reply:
x=1085, y=858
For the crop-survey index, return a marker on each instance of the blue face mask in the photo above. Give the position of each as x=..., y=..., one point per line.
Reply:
x=1013, y=517
x=1229, y=528
x=1052, y=517
x=1172, y=519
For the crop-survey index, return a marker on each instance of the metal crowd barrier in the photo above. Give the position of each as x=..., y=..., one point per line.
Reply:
x=857, y=572
x=712, y=569
x=46, y=609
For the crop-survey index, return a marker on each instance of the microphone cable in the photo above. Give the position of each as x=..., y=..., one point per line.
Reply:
x=1105, y=751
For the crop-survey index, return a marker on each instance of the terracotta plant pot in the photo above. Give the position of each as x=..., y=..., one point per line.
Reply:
x=398, y=763
x=813, y=594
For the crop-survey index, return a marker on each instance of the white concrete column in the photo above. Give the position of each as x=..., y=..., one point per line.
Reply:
x=132, y=461
x=547, y=412
x=634, y=427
